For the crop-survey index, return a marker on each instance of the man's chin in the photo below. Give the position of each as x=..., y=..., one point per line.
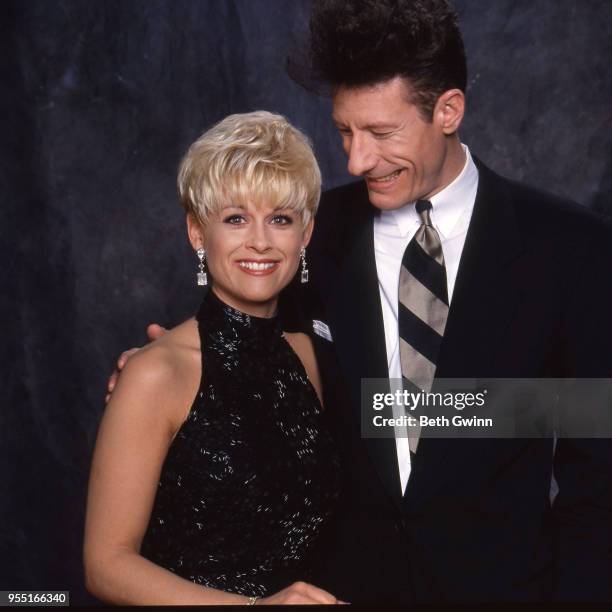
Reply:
x=385, y=201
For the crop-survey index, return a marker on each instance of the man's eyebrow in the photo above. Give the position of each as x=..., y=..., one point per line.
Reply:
x=381, y=126
x=371, y=126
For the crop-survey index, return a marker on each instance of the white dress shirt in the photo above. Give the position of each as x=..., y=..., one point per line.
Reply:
x=393, y=229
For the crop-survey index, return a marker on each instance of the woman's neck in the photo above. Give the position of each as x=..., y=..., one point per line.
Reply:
x=263, y=310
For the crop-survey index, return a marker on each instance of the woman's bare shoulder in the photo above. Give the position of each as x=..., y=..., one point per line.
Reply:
x=164, y=373
x=169, y=356
x=183, y=335
x=304, y=349
x=299, y=342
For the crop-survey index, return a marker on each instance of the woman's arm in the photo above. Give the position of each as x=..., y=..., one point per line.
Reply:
x=147, y=408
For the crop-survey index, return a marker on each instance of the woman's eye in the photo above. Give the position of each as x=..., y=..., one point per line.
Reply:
x=282, y=220
x=234, y=219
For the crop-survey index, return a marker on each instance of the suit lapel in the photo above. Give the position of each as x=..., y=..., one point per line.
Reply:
x=483, y=302
x=358, y=328
x=485, y=297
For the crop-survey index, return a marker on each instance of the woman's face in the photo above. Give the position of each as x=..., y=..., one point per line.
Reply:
x=252, y=253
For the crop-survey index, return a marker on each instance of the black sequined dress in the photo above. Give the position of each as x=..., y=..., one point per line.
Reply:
x=252, y=474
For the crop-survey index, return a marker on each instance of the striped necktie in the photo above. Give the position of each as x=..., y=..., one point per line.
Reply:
x=422, y=308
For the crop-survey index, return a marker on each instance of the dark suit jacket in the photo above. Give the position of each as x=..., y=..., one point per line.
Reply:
x=533, y=298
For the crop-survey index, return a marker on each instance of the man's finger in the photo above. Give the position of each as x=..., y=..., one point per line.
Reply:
x=155, y=331
x=112, y=381
x=123, y=359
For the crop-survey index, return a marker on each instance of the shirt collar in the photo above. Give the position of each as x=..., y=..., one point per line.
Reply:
x=447, y=205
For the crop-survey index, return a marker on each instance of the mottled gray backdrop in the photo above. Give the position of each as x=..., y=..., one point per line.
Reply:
x=98, y=102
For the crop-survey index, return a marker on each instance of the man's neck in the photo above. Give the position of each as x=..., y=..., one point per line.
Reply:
x=453, y=164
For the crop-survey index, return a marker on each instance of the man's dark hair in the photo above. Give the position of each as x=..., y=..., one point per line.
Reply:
x=356, y=43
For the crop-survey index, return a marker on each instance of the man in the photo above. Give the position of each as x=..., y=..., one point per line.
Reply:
x=513, y=284
x=461, y=520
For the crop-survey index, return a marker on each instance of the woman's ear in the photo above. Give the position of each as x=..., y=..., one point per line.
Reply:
x=308, y=232
x=195, y=231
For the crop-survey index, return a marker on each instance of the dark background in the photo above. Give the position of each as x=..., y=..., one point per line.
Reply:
x=98, y=102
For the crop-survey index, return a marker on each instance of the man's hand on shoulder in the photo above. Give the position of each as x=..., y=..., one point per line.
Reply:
x=154, y=331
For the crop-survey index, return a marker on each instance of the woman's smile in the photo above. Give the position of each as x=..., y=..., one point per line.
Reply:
x=258, y=267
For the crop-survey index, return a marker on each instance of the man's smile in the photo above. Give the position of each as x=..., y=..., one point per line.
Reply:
x=382, y=182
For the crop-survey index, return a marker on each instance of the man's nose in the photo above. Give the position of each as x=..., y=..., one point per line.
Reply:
x=258, y=237
x=361, y=155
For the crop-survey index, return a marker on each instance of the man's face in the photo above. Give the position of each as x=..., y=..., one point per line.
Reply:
x=401, y=156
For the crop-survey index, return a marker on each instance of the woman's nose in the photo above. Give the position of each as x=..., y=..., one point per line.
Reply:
x=258, y=237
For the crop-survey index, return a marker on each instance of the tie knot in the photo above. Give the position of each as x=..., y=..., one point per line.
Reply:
x=423, y=208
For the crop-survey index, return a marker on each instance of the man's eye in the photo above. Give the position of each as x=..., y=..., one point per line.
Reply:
x=282, y=220
x=234, y=219
x=381, y=134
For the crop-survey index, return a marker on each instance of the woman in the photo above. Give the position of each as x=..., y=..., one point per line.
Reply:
x=213, y=471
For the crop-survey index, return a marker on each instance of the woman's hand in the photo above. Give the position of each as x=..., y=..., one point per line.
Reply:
x=299, y=593
x=154, y=331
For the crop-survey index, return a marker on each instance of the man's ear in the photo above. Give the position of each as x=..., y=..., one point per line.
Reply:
x=308, y=232
x=195, y=231
x=449, y=111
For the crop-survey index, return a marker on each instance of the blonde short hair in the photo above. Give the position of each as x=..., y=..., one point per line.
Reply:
x=250, y=158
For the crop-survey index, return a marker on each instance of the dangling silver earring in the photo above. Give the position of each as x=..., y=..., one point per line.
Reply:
x=304, y=268
x=202, y=276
